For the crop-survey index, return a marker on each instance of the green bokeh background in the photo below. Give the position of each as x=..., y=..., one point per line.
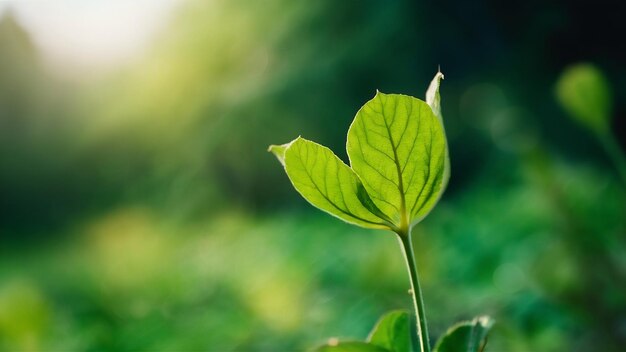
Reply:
x=140, y=210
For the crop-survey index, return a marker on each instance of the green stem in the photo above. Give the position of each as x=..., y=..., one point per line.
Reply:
x=613, y=149
x=416, y=291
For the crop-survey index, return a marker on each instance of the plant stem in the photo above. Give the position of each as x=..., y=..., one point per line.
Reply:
x=416, y=291
x=613, y=149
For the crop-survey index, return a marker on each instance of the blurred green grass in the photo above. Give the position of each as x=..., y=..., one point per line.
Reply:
x=132, y=279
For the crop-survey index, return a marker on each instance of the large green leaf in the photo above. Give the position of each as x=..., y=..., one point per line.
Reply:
x=393, y=332
x=467, y=336
x=327, y=183
x=352, y=346
x=397, y=146
x=584, y=93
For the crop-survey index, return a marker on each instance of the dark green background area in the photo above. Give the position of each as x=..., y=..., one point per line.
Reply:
x=140, y=210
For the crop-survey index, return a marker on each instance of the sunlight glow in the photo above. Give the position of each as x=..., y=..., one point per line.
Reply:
x=90, y=33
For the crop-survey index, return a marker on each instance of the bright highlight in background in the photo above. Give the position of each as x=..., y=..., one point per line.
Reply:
x=90, y=33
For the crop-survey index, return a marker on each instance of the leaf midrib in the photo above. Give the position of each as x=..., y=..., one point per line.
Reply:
x=403, y=216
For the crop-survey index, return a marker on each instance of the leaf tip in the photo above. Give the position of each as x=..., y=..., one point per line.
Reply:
x=379, y=94
x=279, y=151
x=485, y=321
x=439, y=75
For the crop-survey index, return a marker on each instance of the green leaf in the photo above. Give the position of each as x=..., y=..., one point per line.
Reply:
x=584, y=93
x=433, y=99
x=467, y=336
x=397, y=146
x=352, y=346
x=327, y=183
x=399, y=164
x=393, y=332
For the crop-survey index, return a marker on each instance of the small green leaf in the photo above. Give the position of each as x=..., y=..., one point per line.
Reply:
x=397, y=146
x=584, y=93
x=352, y=346
x=433, y=99
x=393, y=332
x=327, y=183
x=467, y=336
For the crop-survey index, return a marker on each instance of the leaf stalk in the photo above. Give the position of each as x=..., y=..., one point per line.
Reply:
x=416, y=291
x=613, y=149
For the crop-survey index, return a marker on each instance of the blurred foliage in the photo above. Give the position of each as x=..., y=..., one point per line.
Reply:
x=140, y=210
x=584, y=93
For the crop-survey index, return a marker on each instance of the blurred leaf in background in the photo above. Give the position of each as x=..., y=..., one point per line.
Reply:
x=584, y=92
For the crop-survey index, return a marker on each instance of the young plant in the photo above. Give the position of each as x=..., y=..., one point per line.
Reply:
x=399, y=168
